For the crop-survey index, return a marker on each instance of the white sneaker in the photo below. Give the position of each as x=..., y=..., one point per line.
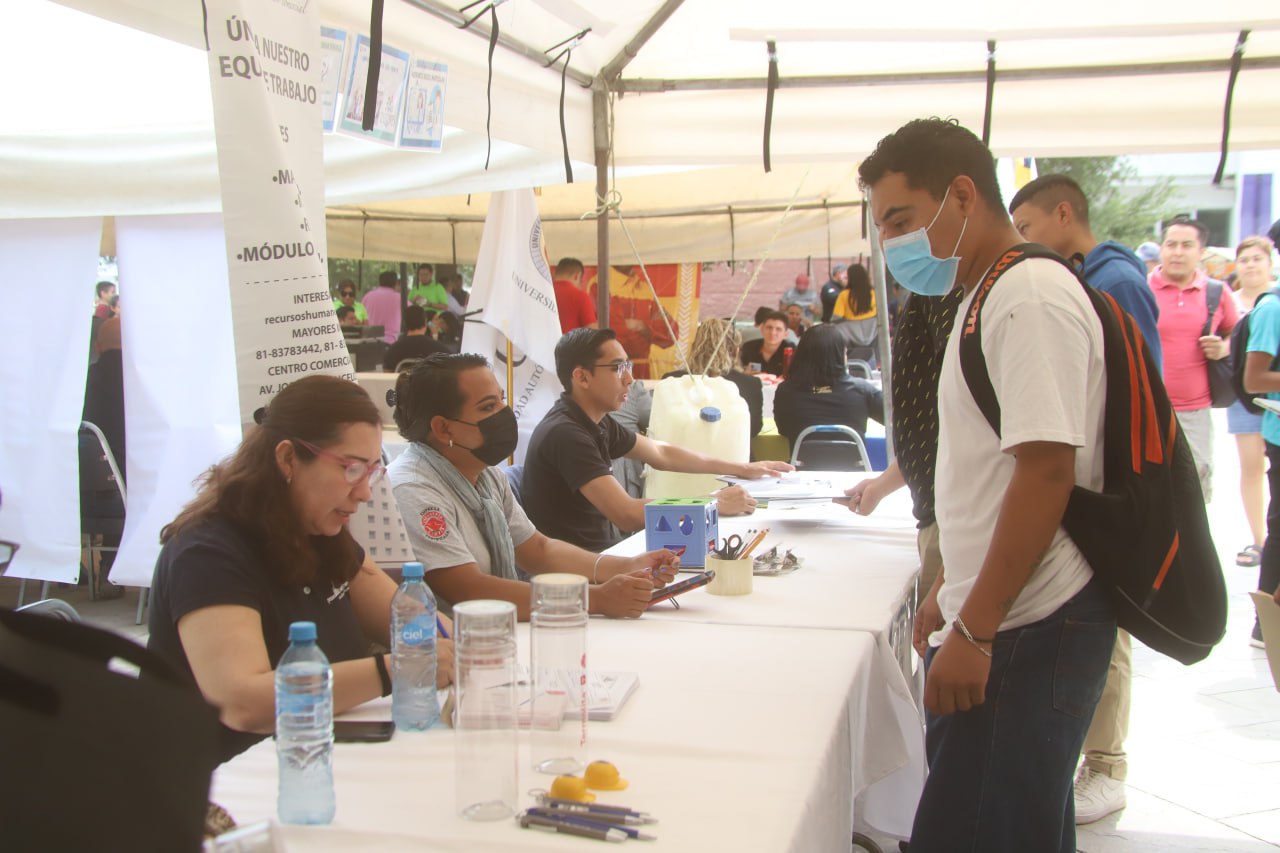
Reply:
x=1097, y=795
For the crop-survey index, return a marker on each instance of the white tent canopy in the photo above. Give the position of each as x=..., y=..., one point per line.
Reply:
x=120, y=121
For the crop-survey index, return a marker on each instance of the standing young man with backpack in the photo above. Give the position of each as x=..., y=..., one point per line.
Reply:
x=1183, y=292
x=1017, y=665
x=1053, y=211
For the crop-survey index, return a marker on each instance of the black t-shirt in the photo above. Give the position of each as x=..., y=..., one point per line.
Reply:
x=750, y=389
x=567, y=451
x=212, y=563
x=919, y=342
x=411, y=346
x=850, y=402
x=752, y=352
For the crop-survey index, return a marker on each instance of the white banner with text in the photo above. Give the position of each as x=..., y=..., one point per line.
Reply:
x=265, y=67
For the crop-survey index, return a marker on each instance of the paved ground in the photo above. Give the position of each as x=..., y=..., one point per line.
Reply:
x=1204, y=741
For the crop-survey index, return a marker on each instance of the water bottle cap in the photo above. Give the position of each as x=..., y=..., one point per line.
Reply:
x=302, y=632
x=559, y=591
x=412, y=571
x=710, y=414
x=484, y=619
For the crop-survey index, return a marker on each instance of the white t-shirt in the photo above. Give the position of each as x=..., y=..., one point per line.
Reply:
x=1043, y=347
x=441, y=530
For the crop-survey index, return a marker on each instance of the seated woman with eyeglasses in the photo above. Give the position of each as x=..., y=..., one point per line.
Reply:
x=264, y=544
x=463, y=520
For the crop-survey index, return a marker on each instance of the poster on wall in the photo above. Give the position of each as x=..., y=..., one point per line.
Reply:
x=423, y=128
x=653, y=342
x=390, y=101
x=264, y=66
x=333, y=46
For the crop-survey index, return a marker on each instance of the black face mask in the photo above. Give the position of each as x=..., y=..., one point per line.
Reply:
x=501, y=434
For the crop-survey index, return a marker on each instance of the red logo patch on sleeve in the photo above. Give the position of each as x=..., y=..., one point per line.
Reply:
x=433, y=524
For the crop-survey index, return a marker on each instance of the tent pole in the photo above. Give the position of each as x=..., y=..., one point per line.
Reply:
x=1139, y=69
x=882, y=320
x=452, y=16
x=614, y=67
x=600, y=125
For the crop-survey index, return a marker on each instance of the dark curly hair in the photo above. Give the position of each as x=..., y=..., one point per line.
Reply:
x=931, y=153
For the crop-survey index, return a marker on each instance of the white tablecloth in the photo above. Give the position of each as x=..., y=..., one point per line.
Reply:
x=738, y=738
x=859, y=575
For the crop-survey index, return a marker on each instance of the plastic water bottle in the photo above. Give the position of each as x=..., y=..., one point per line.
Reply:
x=413, y=653
x=304, y=730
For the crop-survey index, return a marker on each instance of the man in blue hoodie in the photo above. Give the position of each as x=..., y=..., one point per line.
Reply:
x=1052, y=211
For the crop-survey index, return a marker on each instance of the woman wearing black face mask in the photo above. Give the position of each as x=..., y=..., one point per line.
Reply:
x=462, y=519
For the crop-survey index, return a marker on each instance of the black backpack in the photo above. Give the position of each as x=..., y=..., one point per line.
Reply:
x=1239, y=351
x=1146, y=534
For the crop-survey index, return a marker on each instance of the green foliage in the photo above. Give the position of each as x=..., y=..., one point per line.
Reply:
x=1120, y=209
x=363, y=273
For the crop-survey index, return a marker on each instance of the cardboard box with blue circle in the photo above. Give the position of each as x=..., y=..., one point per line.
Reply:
x=687, y=526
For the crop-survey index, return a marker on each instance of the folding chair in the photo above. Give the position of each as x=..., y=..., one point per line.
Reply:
x=102, y=505
x=831, y=447
x=857, y=365
x=52, y=607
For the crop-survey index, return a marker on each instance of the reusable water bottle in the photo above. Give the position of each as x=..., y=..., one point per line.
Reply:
x=484, y=729
x=304, y=730
x=413, y=653
x=558, y=664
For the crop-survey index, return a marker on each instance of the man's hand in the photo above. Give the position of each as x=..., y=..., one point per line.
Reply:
x=444, y=662
x=624, y=595
x=660, y=566
x=734, y=500
x=928, y=620
x=1214, y=347
x=863, y=498
x=764, y=468
x=957, y=679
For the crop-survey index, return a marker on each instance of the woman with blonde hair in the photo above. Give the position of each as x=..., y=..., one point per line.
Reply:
x=715, y=353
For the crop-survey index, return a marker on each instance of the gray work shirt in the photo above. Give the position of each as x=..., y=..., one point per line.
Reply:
x=441, y=530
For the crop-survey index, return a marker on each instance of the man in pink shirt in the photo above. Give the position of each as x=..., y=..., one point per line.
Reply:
x=382, y=304
x=1181, y=288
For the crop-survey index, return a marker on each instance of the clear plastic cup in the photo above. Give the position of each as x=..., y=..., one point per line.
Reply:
x=558, y=666
x=485, y=732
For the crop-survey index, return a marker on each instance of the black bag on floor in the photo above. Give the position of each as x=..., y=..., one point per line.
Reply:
x=95, y=759
x=1146, y=534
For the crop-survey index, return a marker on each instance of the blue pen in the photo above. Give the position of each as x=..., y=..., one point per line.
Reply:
x=589, y=821
x=440, y=628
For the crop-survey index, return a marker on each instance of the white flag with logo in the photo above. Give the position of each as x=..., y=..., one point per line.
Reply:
x=515, y=300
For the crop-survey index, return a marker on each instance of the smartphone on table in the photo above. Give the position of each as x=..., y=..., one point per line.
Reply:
x=363, y=731
x=672, y=590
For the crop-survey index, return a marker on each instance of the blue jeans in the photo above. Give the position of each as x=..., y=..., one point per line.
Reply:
x=1000, y=774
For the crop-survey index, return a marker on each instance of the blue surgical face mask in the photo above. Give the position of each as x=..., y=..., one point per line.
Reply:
x=910, y=259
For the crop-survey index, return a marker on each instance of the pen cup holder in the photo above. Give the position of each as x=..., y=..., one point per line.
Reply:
x=733, y=577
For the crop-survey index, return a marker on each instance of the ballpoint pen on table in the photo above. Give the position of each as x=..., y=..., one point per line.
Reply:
x=597, y=820
x=528, y=821
x=575, y=805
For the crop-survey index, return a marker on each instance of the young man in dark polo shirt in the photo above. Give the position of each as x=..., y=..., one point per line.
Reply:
x=568, y=489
